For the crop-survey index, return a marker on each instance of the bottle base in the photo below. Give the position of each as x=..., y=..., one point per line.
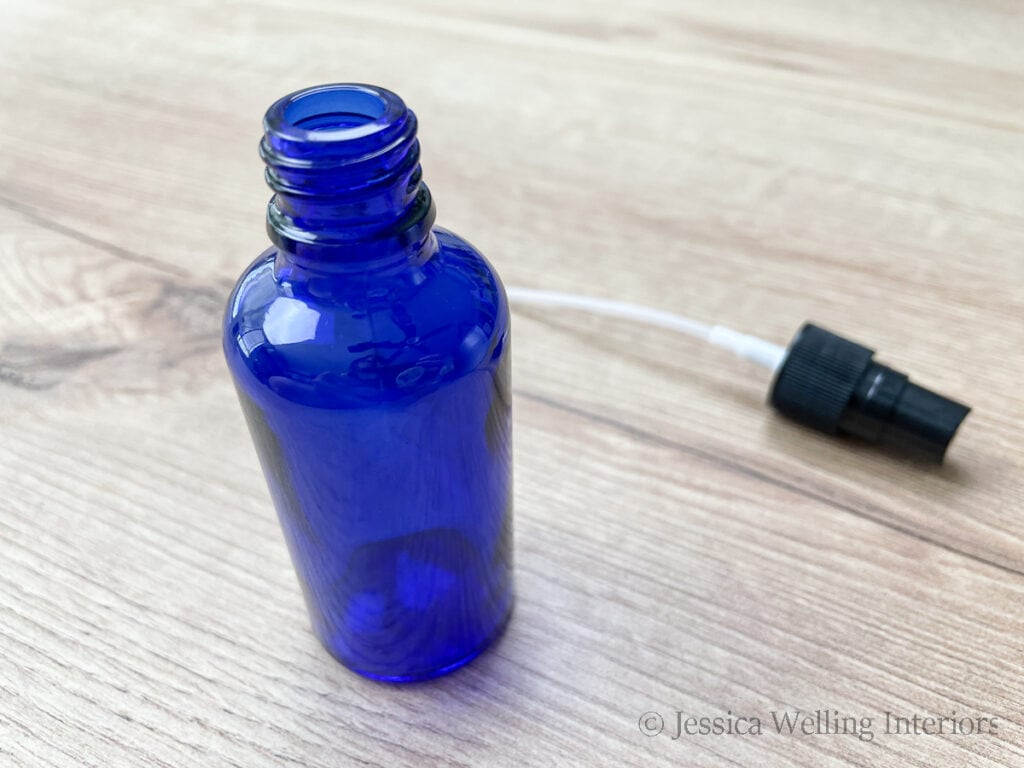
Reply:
x=433, y=672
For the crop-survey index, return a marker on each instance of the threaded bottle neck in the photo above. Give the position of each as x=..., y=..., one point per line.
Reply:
x=343, y=161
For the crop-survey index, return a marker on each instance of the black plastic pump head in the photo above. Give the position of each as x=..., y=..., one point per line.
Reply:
x=834, y=385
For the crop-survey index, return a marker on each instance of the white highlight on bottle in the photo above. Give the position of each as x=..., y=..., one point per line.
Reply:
x=759, y=351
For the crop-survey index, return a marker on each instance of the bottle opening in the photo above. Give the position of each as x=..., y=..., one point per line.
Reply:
x=334, y=113
x=335, y=109
x=343, y=161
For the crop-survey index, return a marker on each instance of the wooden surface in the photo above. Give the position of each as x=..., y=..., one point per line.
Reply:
x=678, y=547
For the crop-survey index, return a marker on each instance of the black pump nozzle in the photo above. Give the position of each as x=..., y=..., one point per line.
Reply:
x=834, y=385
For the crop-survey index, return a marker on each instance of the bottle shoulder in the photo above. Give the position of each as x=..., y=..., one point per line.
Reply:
x=368, y=339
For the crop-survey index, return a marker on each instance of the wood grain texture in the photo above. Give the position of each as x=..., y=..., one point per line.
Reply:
x=678, y=547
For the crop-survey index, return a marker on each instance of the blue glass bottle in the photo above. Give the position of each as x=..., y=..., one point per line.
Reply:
x=370, y=352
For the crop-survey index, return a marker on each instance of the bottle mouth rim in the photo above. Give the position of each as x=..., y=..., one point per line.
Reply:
x=378, y=109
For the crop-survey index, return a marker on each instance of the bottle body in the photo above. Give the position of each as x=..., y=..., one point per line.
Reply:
x=376, y=389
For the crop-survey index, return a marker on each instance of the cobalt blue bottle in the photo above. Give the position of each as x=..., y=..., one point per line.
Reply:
x=370, y=351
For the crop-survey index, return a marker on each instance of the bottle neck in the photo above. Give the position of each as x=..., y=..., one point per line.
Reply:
x=343, y=162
